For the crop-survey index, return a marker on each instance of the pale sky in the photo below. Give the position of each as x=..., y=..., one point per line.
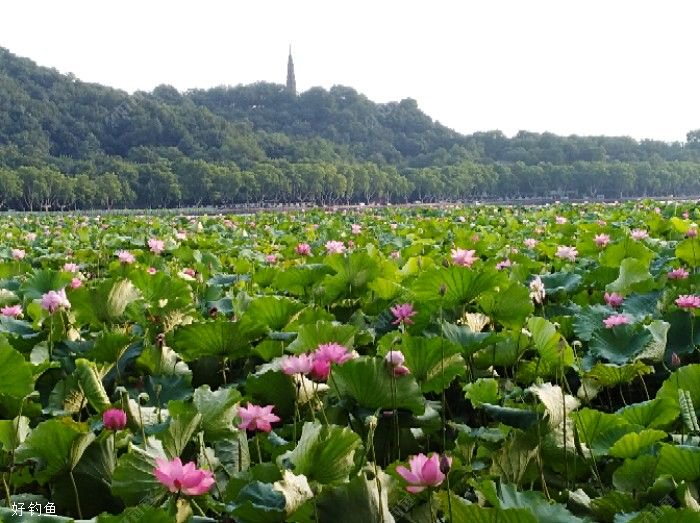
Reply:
x=587, y=67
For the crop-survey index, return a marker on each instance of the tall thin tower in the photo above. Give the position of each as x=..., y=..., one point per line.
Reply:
x=291, y=81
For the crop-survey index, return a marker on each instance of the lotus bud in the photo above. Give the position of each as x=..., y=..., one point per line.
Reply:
x=675, y=360
x=444, y=464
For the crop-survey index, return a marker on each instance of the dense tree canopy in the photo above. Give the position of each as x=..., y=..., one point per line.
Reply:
x=70, y=144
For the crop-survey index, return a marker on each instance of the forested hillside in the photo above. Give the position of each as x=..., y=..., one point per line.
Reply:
x=70, y=144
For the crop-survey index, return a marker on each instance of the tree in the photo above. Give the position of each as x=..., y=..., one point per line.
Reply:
x=158, y=185
x=10, y=187
x=108, y=190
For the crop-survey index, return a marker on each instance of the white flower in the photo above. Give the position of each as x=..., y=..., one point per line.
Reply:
x=537, y=291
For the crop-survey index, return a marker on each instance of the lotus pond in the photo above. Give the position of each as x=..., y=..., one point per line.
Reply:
x=464, y=364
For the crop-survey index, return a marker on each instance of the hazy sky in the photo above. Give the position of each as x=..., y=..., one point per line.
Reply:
x=615, y=67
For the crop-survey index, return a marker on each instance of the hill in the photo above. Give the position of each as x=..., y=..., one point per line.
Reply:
x=65, y=143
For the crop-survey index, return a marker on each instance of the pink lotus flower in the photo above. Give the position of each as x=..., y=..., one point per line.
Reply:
x=566, y=252
x=271, y=259
x=11, y=311
x=686, y=215
x=151, y=270
x=156, y=246
x=301, y=364
x=189, y=272
x=639, y=234
x=303, y=249
x=463, y=257
x=320, y=369
x=400, y=370
x=326, y=354
x=678, y=274
x=335, y=247
x=395, y=255
x=181, y=235
x=615, y=320
x=601, y=240
x=18, y=254
x=333, y=352
x=403, y=314
x=187, y=479
x=560, y=220
x=76, y=283
x=692, y=232
x=424, y=472
x=504, y=264
x=355, y=228
x=530, y=243
x=125, y=257
x=613, y=299
x=114, y=419
x=395, y=359
x=31, y=236
x=688, y=301
x=255, y=417
x=70, y=267
x=54, y=300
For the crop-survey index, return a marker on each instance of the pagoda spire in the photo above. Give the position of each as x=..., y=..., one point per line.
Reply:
x=291, y=80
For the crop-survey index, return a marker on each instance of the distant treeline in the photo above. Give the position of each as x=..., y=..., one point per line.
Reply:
x=68, y=144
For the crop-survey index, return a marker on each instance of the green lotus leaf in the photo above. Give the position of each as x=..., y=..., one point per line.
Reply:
x=433, y=362
x=635, y=475
x=632, y=273
x=541, y=509
x=324, y=453
x=312, y=335
x=218, y=410
x=51, y=444
x=461, y=285
x=368, y=382
x=651, y=414
x=633, y=444
x=600, y=431
x=509, y=307
x=225, y=339
x=689, y=251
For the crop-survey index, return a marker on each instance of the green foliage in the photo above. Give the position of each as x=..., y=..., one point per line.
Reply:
x=133, y=478
x=216, y=338
x=358, y=501
x=16, y=379
x=51, y=444
x=433, y=362
x=526, y=396
x=325, y=453
x=369, y=383
x=91, y=385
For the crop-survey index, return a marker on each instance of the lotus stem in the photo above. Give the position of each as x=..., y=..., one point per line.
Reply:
x=77, y=496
